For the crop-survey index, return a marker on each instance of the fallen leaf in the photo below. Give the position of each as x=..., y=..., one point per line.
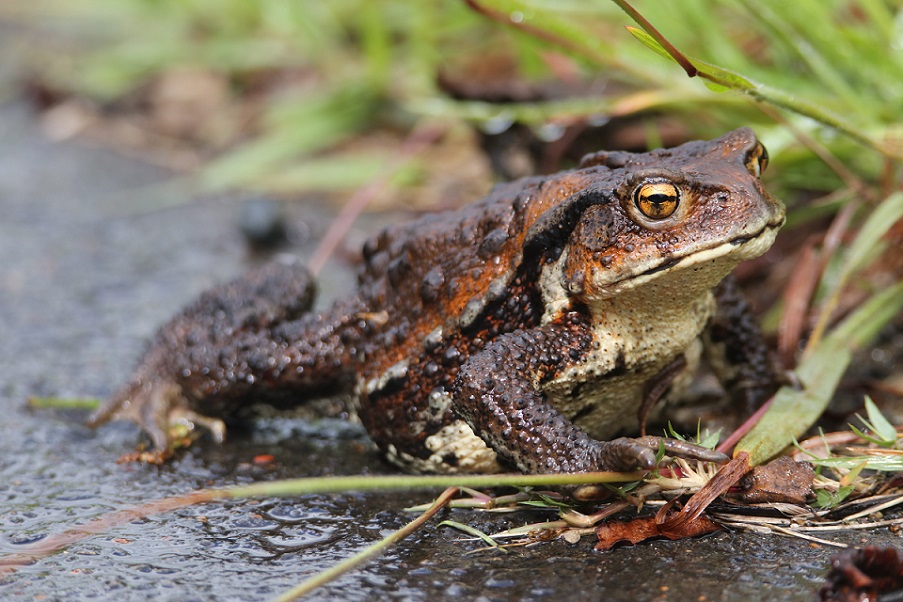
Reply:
x=264, y=460
x=641, y=529
x=863, y=574
x=782, y=480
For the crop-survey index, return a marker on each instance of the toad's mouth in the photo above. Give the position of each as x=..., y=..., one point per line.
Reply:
x=756, y=243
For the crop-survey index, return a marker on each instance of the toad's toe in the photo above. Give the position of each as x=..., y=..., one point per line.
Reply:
x=627, y=454
x=156, y=407
x=683, y=449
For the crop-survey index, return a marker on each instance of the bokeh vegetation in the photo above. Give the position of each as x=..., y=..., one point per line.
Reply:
x=304, y=79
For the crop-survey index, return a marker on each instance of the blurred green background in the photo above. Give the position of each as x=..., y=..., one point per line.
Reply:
x=286, y=95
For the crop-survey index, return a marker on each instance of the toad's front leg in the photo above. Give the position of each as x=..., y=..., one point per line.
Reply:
x=497, y=392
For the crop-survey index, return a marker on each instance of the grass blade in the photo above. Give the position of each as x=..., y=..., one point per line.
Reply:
x=364, y=555
x=720, y=79
x=794, y=411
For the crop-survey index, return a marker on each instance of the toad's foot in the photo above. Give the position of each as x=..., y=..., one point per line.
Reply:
x=626, y=454
x=682, y=449
x=161, y=410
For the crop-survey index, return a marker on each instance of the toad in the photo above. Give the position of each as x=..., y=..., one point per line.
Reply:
x=524, y=330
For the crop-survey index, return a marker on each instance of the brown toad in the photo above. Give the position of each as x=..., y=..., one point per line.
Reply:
x=524, y=329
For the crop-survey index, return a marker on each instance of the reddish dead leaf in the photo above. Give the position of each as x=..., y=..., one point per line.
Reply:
x=797, y=296
x=863, y=574
x=264, y=460
x=783, y=480
x=641, y=529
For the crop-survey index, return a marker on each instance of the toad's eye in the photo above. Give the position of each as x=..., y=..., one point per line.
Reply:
x=757, y=160
x=657, y=200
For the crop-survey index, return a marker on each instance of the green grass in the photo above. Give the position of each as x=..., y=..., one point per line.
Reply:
x=367, y=66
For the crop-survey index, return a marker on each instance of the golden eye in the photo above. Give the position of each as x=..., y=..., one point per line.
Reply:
x=657, y=200
x=757, y=160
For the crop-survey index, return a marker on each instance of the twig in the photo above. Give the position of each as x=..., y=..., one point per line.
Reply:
x=679, y=57
x=348, y=564
x=532, y=30
x=793, y=533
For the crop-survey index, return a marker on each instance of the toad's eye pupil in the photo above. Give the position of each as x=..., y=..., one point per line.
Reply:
x=657, y=200
x=757, y=160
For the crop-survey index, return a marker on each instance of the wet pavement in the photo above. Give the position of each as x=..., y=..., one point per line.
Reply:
x=89, y=269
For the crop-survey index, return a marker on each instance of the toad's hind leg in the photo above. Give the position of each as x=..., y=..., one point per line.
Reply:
x=248, y=340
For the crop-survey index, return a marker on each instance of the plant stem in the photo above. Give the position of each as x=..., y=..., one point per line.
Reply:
x=386, y=483
x=643, y=22
x=348, y=564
